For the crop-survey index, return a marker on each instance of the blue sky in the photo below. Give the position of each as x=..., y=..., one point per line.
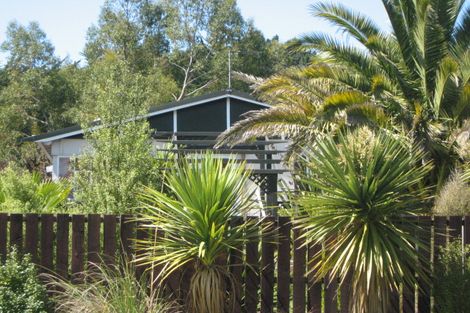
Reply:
x=66, y=21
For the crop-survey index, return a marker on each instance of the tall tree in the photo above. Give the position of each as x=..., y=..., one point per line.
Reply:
x=194, y=40
x=119, y=158
x=28, y=47
x=34, y=96
x=133, y=29
x=417, y=75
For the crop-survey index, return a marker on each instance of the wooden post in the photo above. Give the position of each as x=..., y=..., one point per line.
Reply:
x=271, y=193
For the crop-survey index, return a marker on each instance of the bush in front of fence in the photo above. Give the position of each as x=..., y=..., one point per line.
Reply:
x=360, y=186
x=20, y=289
x=452, y=279
x=203, y=196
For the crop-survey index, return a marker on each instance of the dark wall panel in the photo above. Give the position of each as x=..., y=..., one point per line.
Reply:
x=162, y=122
x=239, y=107
x=210, y=117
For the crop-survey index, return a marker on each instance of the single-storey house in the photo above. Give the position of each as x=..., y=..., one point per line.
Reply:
x=190, y=125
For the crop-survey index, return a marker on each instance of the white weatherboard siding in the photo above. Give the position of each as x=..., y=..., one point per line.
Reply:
x=65, y=148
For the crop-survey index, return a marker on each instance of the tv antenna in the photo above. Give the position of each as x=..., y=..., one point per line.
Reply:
x=229, y=67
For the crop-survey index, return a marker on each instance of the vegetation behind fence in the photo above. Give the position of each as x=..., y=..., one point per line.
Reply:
x=271, y=275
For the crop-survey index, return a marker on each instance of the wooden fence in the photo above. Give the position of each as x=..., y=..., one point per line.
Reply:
x=278, y=278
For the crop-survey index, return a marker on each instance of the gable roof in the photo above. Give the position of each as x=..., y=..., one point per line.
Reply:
x=161, y=109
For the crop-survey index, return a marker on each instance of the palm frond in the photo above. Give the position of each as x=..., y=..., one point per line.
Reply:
x=279, y=121
x=356, y=59
x=358, y=26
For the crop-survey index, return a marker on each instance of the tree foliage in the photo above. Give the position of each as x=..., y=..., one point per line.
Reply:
x=452, y=279
x=35, y=95
x=416, y=78
x=119, y=157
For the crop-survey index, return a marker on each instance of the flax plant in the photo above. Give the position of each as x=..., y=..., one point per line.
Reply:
x=363, y=189
x=203, y=196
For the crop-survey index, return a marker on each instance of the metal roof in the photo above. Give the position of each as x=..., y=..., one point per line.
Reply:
x=160, y=109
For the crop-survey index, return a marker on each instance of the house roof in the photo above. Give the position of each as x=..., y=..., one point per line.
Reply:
x=161, y=109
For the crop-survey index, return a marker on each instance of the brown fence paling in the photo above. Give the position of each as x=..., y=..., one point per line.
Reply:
x=267, y=266
x=466, y=233
x=3, y=236
x=236, y=270
x=127, y=235
x=283, y=265
x=31, y=237
x=16, y=231
x=424, y=290
x=109, y=231
x=47, y=242
x=252, y=277
x=298, y=280
x=78, y=240
x=314, y=290
x=93, y=240
x=62, y=255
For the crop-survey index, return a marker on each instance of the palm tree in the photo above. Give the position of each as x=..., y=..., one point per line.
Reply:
x=203, y=196
x=417, y=75
x=305, y=106
x=363, y=188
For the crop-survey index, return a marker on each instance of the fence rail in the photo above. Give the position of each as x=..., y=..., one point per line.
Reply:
x=272, y=276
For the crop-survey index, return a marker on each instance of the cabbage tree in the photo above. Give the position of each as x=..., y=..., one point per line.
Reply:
x=362, y=190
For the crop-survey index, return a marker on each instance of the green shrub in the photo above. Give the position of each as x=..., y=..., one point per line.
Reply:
x=120, y=157
x=452, y=279
x=20, y=289
x=25, y=192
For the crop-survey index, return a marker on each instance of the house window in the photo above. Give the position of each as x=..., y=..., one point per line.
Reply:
x=64, y=167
